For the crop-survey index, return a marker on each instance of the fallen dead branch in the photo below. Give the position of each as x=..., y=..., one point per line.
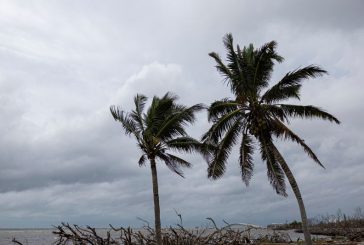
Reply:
x=73, y=234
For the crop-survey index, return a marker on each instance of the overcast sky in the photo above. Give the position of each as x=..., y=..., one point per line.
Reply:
x=63, y=63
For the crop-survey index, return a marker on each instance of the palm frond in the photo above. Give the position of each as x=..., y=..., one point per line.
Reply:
x=174, y=163
x=290, y=84
x=274, y=171
x=142, y=160
x=263, y=65
x=246, y=158
x=125, y=120
x=169, y=96
x=275, y=111
x=238, y=65
x=216, y=167
x=241, y=82
x=174, y=124
x=221, y=68
x=179, y=161
x=221, y=107
x=158, y=111
x=184, y=144
x=281, y=130
x=221, y=126
x=189, y=145
x=279, y=93
x=232, y=58
x=139, y=101
x=307, y=111
x=246, y=76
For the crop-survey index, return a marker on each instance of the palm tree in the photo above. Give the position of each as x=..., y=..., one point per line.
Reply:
x=158, y=130
x=256, y=116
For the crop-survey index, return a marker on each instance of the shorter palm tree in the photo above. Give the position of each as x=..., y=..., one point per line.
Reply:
x=160, y=129
x=257, y=116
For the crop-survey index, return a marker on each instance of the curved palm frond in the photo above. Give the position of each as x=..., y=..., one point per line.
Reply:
x=156, y=114
x=231, y=55
x=243, y=77
x=159, y=110
x=307, y=111
x=278, y=93
x=220, y=108
x=174, y=163
x=216, y=166
x=274, y=171
x=236, y=72
x=189, y=145
x=142, y=160
x=174, y=124
x=221, y=66
x=290, y=84
x=263, y=66
x=139, y=102
x=246, y=158
x=179, y=161
x=185, y=144
x=221, y=126
x=281, y=130
x=275, y=111
x=126, y=121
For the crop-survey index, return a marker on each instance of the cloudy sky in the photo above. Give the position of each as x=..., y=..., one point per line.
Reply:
x=63, y=63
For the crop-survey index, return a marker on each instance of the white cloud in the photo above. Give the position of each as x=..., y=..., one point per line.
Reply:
x=152, y=79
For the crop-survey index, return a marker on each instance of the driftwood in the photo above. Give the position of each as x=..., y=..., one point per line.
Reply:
x=339, y=226
x=73, y=234
x=352, y=234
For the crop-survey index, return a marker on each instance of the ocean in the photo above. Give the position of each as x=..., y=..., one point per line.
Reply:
x=27, y=236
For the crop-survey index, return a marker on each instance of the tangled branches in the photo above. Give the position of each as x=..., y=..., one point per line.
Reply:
x=178, y=235
x=75, y=235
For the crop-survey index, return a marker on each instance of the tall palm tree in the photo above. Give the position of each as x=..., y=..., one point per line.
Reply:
x=158, y=130
x=256, y=116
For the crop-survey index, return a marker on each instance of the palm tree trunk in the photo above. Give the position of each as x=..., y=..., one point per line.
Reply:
x=297, y=193
x=157, y=213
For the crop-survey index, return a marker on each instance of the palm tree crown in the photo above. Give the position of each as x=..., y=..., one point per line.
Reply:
x=159, y=129
x=256, y=111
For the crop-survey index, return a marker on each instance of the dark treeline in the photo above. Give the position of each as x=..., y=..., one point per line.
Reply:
x=339, y=224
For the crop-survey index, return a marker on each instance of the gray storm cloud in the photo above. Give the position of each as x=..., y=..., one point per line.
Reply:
x=62, y=65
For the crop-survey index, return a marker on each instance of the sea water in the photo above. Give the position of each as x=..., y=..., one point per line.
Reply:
x=27, y=236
